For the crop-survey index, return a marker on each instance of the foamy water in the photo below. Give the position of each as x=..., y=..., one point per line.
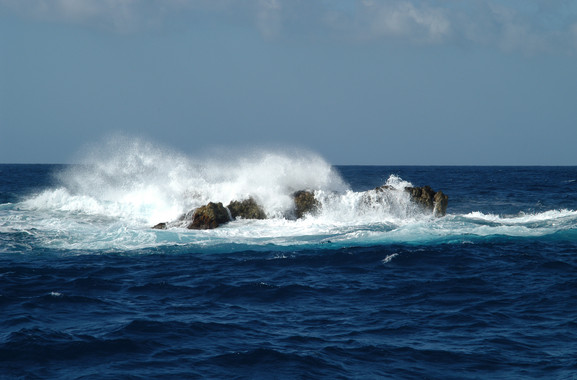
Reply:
x=124, y=187
x=370, y=286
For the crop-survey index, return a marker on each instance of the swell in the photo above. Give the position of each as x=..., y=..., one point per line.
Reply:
x=493, y=309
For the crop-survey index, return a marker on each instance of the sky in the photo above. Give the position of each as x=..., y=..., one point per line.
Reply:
x=359, y=82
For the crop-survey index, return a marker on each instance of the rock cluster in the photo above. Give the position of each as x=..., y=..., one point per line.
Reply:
x=213, y=215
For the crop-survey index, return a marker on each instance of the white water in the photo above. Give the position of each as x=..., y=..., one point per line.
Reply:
x=141, y=182
x=126, y=186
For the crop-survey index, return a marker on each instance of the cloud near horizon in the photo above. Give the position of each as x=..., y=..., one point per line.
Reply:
x=529, y=26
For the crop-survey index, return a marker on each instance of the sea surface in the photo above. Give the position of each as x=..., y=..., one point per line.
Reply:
x=360, y=290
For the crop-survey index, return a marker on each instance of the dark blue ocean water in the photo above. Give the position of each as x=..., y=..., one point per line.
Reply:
x=488, y=291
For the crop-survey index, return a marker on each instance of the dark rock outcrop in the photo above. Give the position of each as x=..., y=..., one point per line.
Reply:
x=209, y=216
x=436, y=202
x=422, y=196
x=160, y=226
x=213, y=215
x=380, y=189
x=305, y=202
x=247, y=209
x=441, y=203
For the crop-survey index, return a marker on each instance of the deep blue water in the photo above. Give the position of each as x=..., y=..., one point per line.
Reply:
x=488, y=291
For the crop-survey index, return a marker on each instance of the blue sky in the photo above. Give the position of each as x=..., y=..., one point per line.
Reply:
x=385, y=82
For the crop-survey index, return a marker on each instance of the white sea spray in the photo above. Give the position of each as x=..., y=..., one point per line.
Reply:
x=110, y=201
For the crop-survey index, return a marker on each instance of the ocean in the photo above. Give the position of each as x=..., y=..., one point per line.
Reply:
x=88, y=290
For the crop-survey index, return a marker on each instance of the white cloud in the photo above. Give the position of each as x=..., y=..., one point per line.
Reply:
x=518, y=28
x=117, y=14
x=513, y=25
x=269, y=17
x=403, y=19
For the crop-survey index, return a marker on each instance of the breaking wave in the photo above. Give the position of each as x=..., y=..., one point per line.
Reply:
x=137, y=180
x=122, y=188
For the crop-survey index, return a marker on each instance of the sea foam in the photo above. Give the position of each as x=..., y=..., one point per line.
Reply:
x=155, y=184
x=121, y=188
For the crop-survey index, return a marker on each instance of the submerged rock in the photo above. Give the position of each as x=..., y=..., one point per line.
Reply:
x=247, y=209
x=209, y=216
x=305, y=203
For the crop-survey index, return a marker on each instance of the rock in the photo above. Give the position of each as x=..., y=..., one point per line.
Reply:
x=436, y=202
x=305, y=202
x=380, y=189
x=422, y=195
x=213, y=215
x=441, y=203
x=209, y=216
x=186, y=217
x=247, y=209
x=160, y=226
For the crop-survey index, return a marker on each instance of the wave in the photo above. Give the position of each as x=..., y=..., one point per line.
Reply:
x=123, y=187
x=135, y=179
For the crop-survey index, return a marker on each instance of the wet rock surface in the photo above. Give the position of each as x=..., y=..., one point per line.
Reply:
x=435, y=201
x=247, y=209
x=305, y=203
x=209, y=216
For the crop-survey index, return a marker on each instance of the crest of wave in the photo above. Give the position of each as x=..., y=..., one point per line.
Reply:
x=391, y=204
x=133, y=178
